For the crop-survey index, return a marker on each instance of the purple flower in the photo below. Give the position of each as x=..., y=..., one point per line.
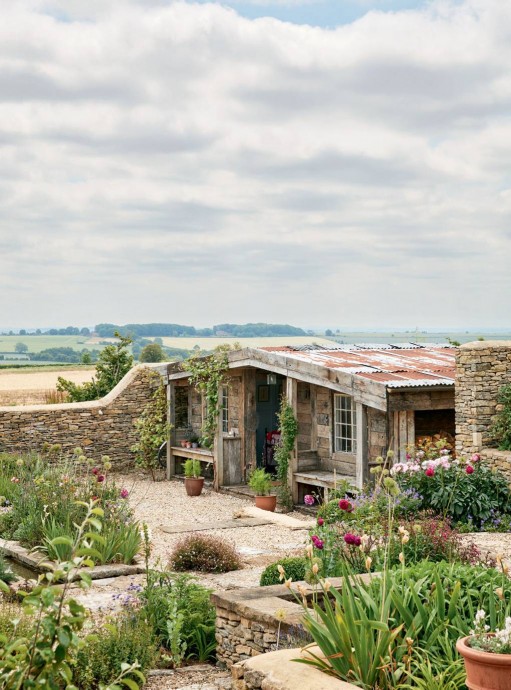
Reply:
x=100, y=478
x=352, y=539
x=124, y=493
x=318, y=543
x=308, y=500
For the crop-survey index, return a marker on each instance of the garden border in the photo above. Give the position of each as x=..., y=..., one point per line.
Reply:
x=39, y=564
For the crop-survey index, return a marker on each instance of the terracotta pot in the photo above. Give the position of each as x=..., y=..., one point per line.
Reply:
x=266, y=502
x=194, y=485
x=183, y=444
x=485, y=671
x=188, y=444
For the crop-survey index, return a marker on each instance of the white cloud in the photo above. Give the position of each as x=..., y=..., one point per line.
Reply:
x=181, y=162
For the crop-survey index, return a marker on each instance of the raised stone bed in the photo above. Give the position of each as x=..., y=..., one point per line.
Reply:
x=246, y=620
x=40, y=564
x=278, y=671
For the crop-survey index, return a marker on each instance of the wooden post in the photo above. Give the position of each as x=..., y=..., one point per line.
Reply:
x=314, y=418
x=292, y=399
x=249, y=420
x=362, y=460
x=218, y=447
x=171, y=417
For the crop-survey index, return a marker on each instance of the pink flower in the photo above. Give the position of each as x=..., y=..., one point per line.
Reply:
x=430, y=472
x=100, y=478
x=475, y=457
x=95, y=471
x=344, y=504
x=352, y=539
x=308, y=500
x=469, y=469
x=408, y=456
x=124, y=493
x=318, y=543
x=321, y=522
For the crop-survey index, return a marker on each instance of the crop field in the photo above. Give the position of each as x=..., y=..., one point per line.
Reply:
x=36, y=343
x=30, y=387
x=211, y=343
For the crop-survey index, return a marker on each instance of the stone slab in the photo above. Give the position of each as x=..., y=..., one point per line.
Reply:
x=227, y=524
x=280, y=519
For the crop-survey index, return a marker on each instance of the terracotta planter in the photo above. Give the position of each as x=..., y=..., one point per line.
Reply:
x=188, y=444
x=183, y=444
x=266, y=502
x=485, y=671
x=194, y=485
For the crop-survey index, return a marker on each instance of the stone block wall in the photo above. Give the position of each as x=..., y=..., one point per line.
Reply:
x=100, y=427
x=482, y=368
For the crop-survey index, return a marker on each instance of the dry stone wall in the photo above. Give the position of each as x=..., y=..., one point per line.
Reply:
x=101, y=427
x=482, y=368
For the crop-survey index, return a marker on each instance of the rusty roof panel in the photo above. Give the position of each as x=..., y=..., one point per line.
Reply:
x=406, y=365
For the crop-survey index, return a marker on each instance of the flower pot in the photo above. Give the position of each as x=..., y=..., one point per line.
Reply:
x=485, y=670
x=188, y=444
x=195, y=445
x=183, y=444
x=194, y=485
x=266, y=502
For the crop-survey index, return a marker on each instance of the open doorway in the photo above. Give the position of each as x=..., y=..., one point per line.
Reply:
x=269, y=389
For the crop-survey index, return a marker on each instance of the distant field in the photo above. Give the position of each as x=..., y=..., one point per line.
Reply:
x=36, y=343
x=210, y=343
x=29, y=387
x=350, y=338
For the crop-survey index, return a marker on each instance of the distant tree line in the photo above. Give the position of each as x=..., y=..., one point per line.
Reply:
x=248, y=330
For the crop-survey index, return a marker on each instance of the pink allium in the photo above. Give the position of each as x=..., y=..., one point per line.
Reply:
x=344, y=504
x=430, y=472
x=321, y=522
x=308, y=500
x=352, y=539
x=475, y=457
x=408, y=456
x=124, y=493
x=469, y=469
x=100, y=478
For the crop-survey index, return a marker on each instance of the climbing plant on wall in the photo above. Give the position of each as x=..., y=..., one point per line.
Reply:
x=207, y=374
x=288, y=426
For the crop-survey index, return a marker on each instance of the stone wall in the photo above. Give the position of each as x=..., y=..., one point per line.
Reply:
x=500, y=459
x=246, y=624
x=100, y=427
x=482, y=368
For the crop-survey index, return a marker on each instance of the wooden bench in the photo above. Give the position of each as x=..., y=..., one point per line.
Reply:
x=322, y=479
x=202, y=454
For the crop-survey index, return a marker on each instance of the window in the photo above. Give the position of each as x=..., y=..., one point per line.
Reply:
x=181, y=407
x=345, y=424
x=225, y=409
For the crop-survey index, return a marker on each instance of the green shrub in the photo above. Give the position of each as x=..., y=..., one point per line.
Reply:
x=129, y=638
x=294, y=568
x=205, y=554
x=181, y=614
x=501, y=426
x=12, y=611
x=6, y=574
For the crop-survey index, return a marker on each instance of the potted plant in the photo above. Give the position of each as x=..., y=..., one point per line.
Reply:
x=260, y=482
x=194, y=440
x=487, y=656
x=194, y=483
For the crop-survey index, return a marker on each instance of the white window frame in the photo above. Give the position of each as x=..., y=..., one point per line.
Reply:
x=345, y=424
x=225, y=409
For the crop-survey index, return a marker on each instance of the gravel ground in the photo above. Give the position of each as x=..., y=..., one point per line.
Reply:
x=165, y=504
x=203, y=677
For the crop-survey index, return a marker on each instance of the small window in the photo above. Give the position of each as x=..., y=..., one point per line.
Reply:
x=181, y=407
x=345, y=424
x=225, y=409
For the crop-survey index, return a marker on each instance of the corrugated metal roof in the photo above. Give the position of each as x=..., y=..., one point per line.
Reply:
x=396, y=366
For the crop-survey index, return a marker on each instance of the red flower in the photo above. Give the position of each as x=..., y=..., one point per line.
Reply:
x=321, y=522
x=352, y=539
x=345, y=505
x=469, y=469
x=95, y=471
x=100, y=478
x=430, y=472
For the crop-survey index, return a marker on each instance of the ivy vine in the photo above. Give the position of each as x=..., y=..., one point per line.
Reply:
x=207, y=374
x=288, y=426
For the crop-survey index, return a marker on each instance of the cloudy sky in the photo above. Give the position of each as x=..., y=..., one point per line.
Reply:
x=342, y=163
